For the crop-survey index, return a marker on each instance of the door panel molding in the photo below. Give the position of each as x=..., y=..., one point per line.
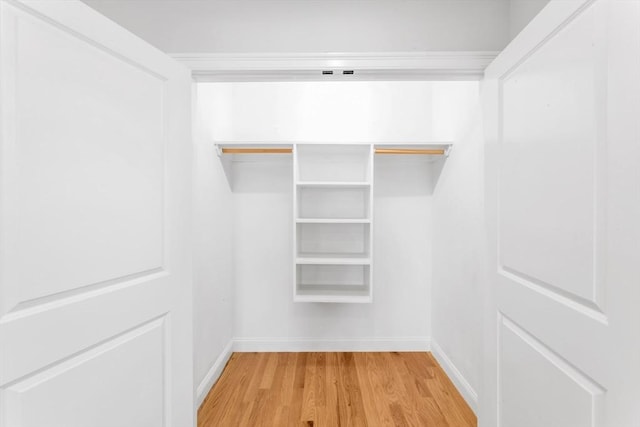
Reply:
x=592, y=399
x=51, y=302
x=29, y=12
x=71, y=361
x=14, y=393
x=580, y=305
x=556, y=16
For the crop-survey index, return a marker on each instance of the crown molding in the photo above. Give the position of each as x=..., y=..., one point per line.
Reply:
x=309, y=66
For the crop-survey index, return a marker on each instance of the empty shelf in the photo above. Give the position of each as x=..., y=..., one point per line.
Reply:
x=333, y=184
x=333, y=220
x=332, y=293
x=332, y=259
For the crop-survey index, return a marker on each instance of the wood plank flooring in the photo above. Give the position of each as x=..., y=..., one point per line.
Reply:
x=334, y=389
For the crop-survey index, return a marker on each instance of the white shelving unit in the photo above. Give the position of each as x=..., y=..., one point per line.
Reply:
x=333, y=222
x=332, y=210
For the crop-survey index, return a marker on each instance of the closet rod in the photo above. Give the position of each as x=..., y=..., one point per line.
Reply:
x=410, y=151
x=257, y=150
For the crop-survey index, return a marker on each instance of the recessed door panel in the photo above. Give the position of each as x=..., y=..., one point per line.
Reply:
x=539, y=388
x=86, y=390
x=88, y=155
x=551, y=166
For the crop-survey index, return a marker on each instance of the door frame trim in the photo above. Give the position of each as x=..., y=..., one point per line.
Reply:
x=424, y=65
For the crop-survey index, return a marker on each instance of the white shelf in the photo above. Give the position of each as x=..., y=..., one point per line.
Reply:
x=329, y=145
x=333, y=205
x=332, y=184
x=332, y=293
x=333, y=259
x=333, y=221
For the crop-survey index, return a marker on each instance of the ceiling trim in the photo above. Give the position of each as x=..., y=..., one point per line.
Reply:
x=456, y=65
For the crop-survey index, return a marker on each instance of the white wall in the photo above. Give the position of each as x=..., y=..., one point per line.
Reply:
x=334, y=111
x=266, y=316
x=213, y=258
x=459, y=256
x=400, y=317
x=313, y=25
x=521, y=12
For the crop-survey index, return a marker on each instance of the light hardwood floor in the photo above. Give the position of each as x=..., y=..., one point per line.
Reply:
x=334, y=389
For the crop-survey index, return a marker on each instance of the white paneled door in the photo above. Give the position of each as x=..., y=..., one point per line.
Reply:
x=563, y=202
x=95, y=279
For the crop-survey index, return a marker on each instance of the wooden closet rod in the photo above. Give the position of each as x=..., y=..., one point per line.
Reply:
x=257, y=150
x=409, y=151
x=431, y=151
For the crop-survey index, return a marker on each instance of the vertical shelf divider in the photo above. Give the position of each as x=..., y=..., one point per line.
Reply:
x=372, y=152
x=294, y=255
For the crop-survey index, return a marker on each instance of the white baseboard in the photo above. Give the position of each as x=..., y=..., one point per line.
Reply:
x=461, y=383
x=214, y=373
x=339, y=344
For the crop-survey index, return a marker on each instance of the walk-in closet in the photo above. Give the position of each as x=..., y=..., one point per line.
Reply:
x=319, y=213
